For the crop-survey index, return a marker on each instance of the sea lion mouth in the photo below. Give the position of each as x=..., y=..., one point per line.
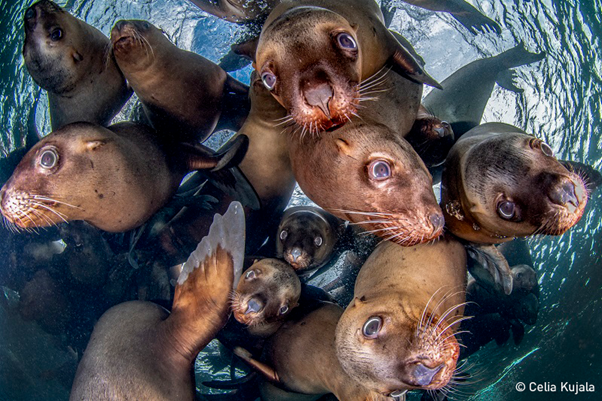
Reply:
x=27, y=211
x=297, y=258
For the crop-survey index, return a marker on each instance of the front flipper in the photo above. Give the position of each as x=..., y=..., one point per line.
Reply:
x=261, y=367
x=199, y=157
x=489, y=267
x=404, y=63
x=506, y=79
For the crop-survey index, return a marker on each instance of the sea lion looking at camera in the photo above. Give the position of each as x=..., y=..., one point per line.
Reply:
x=499, y=183
x=151, y=356
x=114, y=178
x=72, y=61
x=185, y=96
x=398, y=332
x=315, y=57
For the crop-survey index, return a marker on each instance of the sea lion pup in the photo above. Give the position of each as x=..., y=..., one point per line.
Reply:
x=265, y=295
x=237, y=10
x=471, y=18
x=113, y=178
x=71, y=60
x=398, y=332
x=499, y=183
x=317, y=57
x=152, y=356
x=466, y=91
x=183, y=93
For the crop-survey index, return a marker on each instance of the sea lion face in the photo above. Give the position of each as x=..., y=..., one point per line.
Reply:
x=396, y=346
x=306, y=240
x=366, y=174
x=55, y=52
x=432, y=139
x=515, y=187
x=309, y=60
x=131, y=42
x=266, y=293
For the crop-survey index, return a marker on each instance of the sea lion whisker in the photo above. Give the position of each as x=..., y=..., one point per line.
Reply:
x=375, y=214
x=368, y=222
x=441, y=301
x=42, y=216
x=419, y=326
x=442, y=341
x=45, y=198
x=450, y=310
x=30, y=229
x=452, y=324
x=59, y=214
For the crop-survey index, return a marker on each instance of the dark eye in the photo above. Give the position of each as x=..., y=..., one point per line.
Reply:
x=49, y=158
x=346, y=41
x=372, y=327
x=283, y=309
x=283, y=235
x=250, y=275
x=269, y=80
x=379, y=170
x=506, y=209
x=57, y=34
x=318, y=241
x=546, y=149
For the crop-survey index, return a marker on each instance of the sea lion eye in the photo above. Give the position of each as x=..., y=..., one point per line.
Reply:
x=283, y=309
x=283, y=234
x=56, y=34
x=372, y=327
x=379, y=170
x=346, y=41
x=49, y=158
x=269, y=80
x=318, y=241
x=546, y=149
x=250, y=275
x=506, y=209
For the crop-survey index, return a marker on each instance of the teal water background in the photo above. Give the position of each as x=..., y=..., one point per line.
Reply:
x=561, y=104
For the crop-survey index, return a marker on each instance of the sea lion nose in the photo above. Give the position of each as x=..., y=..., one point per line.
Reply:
x=295, y=253
x=319, y=95
x=253, y=306
x=438, y=221
x=119, y=25
x=565, y=193
x=423, y=375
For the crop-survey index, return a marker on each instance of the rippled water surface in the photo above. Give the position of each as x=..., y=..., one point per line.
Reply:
x=561, y=103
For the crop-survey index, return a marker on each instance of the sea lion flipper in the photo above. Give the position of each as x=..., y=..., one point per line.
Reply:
x=506, y=79
x=407, y=65
x=491, y=268
x=235, y=105
x=262, y=368
x=233, y=153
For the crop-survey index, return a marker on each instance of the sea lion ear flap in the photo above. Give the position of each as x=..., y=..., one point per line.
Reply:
x=246, y=49
x=77, y=56
x=404, y=63
x=343, y=146
x=96, y=144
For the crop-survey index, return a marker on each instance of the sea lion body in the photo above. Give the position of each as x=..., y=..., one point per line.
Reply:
x=71, y=60
x=124, y=175
x=499, y=183
x=239, y=11
x=152, y=356
x=182, y=92
x=398, y=332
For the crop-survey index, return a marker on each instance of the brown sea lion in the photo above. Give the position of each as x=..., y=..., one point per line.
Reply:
x=237, y=10
x=316, y=58
x=431, y=137
x=398, y=332
x=72, y=61
x=183, y=93
x=151, y=357
x=265, y=295
x=499, y=183
x=113, y=178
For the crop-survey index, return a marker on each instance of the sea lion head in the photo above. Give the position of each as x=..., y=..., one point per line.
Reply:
x=307, y=237
x=135, y=42
x=511, y=185
x=266, y=293
x=366, y=174
x=399, y=345
x=59, y=49
x=432, y=138
x=309, y=59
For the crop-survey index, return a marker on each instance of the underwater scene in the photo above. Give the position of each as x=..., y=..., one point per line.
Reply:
x=341, y=199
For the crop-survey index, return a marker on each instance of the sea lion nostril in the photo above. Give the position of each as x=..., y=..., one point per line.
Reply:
x=423, y=375
x=319, y=96
x=437, y=220
x=253, y=306
x=295, y=253
x=564, y=194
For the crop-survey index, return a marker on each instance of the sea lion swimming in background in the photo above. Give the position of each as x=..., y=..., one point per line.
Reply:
x=237, y=10
x=185, y=96
x=499, y=183
x=151, y=356
x=316, y=56
x=398, y=332
x=72, y=61
x=114, y=178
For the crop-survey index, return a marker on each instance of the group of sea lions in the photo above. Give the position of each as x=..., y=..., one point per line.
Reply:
x=334, y=104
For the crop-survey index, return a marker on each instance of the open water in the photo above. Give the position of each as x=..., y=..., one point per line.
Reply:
x=561, y=103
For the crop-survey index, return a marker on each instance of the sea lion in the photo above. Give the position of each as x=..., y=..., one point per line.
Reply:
x=152, y=356
x=183, y=93
x=72, y=61
x=499, y=183
x=431, y=137
x=237, y=10
x=124, y=175
x=265, y=295
x=398, y=332
x=316, y=58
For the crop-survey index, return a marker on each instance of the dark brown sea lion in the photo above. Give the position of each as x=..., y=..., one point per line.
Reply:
x=499, y=183
x=237, y=10
x=316, y=58
x=72, y=61
x=183, y=93
x=265, y=295
x=398, y=332
x=151, y=356
x=431, y=137
x=114, y=178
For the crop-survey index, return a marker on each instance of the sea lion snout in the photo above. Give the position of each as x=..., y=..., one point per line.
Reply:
x=420, y=375
x=564, y=194
x=318, y=94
